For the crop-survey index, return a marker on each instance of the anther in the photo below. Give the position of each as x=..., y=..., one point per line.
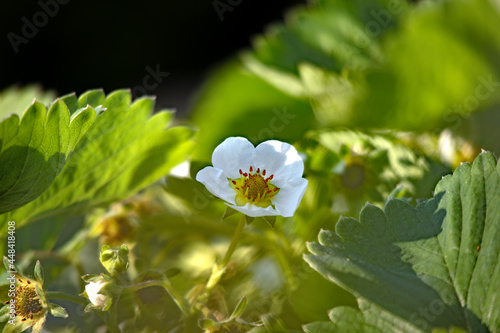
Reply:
x=258, y=170
x=251, y=169
x=234, y=182
x=264, y=172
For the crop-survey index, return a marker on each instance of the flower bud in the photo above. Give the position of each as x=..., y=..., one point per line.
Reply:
x=115, y=260
x=92, y=289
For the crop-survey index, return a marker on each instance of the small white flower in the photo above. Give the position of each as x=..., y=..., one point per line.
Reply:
x=258, y=181
x=93, y=289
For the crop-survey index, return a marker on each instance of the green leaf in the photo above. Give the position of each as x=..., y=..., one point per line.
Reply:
x=249, y=219
x=4, y=312
x=34, y=149
x=206, y=323
x=228, y=212
x=92, y=97
x=4, y=292
x=57, y=311
x=17, y=328
x=39, y=272
x=123, y=151
x=240, y=308
x=270, y=219
x=413, y=269
x=39, y=290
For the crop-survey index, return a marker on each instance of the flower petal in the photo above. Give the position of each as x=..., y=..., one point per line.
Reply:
x=233, y=154
x=215, y=180
x=289, y=197
x=255, y=211
x=93, y=289
x=280, y=159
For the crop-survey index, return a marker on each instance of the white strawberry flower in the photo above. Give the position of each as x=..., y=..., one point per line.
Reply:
x=93, y=289
x=257, y=181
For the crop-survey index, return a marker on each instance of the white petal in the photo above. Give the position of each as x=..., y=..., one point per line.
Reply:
x=216, y=182
x=93, y=289
x=233, y=154
x=255, y=211
x=279, y=159
x=288, y=198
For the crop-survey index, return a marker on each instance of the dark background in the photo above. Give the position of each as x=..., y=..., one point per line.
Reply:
x=109, y=44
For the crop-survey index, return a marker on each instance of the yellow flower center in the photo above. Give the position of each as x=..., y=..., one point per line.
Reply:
x=28, y=302
x=253, y=188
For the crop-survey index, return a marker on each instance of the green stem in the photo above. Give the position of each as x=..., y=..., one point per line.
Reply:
x=234, y=242
x=178, y=299
x=221, y=267
x=111, y=317
x=66, y=297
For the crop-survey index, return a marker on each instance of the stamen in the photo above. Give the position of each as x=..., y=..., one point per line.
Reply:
x=254, y=188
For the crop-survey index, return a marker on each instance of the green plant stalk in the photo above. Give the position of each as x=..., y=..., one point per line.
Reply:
x=219, y=270
x=110, y=317
x=66, y=297
x=176, y=296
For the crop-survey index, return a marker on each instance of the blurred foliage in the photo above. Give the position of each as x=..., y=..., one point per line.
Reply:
x=13, y=100
x=367, y=64
x=226, y=108
x=381, y=99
